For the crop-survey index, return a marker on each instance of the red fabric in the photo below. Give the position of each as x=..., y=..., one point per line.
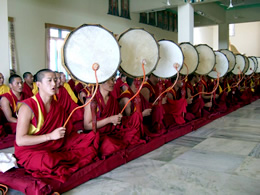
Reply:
x=117, y=87
x=68, y=104
x=176, y=109
x=114, y=138
x=77, y=88
x=27, y=90
x=60, y=158
x=71, y=82
x=2, y=131
x=154, y=91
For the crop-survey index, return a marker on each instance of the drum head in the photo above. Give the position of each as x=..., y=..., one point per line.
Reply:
x=246, y=65
x=231, y=59
x=191, y=58
x=255, y=61
x=221, y=66
x=89, y=44
x=251, y=66
x=207, y=59
x=240, y=64
x=138, y=45
x=170, y=54
x=258, y=63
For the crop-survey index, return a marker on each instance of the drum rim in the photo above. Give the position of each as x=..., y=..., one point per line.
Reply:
x=160, y=58
x=63, y=61
x=158, y=46
x=236, y=63
x=213, y=53
x=184, y=57
x=228, y=60
x=249, y=66
x=257, y=65
x=215, y=65
x=255, y=61
x=246, y=59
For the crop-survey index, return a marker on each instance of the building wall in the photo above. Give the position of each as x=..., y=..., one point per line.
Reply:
x=30, y=17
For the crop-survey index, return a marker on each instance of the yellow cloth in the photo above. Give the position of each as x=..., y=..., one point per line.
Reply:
x=35, y=88
x=252, y=85
x=220, y=89
x=69, y=90
x=4, y=89
x=228, y=86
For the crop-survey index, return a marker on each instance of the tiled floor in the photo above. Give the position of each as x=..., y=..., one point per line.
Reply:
x=222, y=157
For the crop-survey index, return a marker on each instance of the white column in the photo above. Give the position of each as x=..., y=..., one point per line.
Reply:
x=4, y=63
x=185, y=23
x=223, y=36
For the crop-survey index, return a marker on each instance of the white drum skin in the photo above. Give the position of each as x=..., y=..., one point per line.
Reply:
x=258, y=67
x=170, y=54
x=89, y=44
x=207, y=59
x=138, y=45
x=251, y=67
x=231, y=59
x=246, y=65
x=240, y=64
x=221, y=66
x=191, y=58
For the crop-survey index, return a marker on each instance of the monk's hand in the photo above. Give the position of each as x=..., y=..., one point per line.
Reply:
x=147, y=112
x=208, y=104
x=189, y=100
x=216, y=96
x=116, y=119
x=58, y=133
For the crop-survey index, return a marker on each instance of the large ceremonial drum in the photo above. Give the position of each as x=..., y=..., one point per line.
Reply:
x=170, y=55
x=191, y=58
x=221, y=65
x=138, y=45
x=251, y=66
x=246, y=65
x=89, y=44
x=258, y=67
x=255, y=61
x=240, y=64
x=207, y=59
x=231, y=59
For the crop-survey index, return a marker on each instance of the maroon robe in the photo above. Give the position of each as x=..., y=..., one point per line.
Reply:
x=27, y=90
x=117, y=87
x=10, y=128
x=114, y=138
x=56, y=159
x=68, y=104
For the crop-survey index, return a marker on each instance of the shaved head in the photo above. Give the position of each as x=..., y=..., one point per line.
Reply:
x=40, y=74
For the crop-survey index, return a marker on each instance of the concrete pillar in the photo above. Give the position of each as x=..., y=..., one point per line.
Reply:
x=4, y=56
x=223, y=36
x=185, y=23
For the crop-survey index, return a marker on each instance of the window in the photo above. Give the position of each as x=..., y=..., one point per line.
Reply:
x=55, y=36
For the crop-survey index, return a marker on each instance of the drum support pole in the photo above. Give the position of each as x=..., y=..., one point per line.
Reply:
x=137, y=100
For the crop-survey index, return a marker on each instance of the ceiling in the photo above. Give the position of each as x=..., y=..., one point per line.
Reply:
x=206, y=12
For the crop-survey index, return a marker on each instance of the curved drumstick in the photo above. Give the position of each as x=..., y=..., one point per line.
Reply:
x=141, y=86
x=95, y=67
x=186, y=76
x=239, y=81
x=214, y=89
x=169, y=88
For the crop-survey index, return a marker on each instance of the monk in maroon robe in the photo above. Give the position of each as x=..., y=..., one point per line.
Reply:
x=175, y=108
x=151, y=90
x=9, y=102
x=62, y=96
x=120, y=86
x=114, y=135
x=28, y=84
x=45, y=148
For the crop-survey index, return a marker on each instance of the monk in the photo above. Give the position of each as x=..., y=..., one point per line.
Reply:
x=196, y=108
x=175, y=108
x=67, y=87
x=63, y=97
x=150, y=91
x=43, y=147
x=120, y=85
x=85, y=93
x=3, y=88
x=9, y=102
x=28, y=84
x=116, y=132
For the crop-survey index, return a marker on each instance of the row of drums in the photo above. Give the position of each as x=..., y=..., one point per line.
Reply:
x=89, y=44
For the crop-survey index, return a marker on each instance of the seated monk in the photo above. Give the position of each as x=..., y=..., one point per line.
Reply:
x=67, y=87
x=220, y=104
x=3, y=88
x=85, y=93
x=113, y=135
x=120, y=85
x=63, y=97
x=9, y=102
x=151, y=90
x=43, y=147
x=196, y=108
x=28, y=84
x=175, y=108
